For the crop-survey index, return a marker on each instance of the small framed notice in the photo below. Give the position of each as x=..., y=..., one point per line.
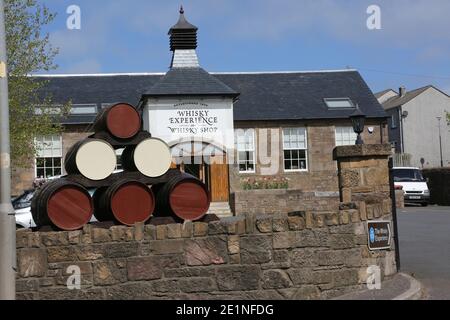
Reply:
x=380, y=236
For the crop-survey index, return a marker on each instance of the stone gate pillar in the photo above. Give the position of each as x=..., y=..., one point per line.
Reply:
x=364, y=186
x=363, y=171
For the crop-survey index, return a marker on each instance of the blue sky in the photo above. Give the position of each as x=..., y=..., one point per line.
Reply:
x=411, y=49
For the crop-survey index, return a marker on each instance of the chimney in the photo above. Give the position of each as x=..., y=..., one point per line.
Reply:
x=183, y=42
x=402, y=91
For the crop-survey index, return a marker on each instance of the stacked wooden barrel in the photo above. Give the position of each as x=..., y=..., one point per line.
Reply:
x=146, y=187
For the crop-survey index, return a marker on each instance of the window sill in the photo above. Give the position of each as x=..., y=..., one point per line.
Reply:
x=296, y=171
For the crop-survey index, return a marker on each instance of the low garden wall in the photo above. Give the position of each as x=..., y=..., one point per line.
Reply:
x=439, y=184
x=309, y=256
x=282, y=201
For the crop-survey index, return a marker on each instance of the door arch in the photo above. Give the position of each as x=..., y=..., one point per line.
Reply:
x=208, y=162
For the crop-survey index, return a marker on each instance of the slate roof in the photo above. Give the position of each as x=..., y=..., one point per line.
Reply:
x=263, y=96
x=399, y=101
x=190, y=82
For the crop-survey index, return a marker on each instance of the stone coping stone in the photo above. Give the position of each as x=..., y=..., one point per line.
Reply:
x=364, y=150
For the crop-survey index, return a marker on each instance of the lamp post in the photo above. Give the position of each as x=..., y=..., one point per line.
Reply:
x=7, y=219
x=358, y=120
x=440, y=142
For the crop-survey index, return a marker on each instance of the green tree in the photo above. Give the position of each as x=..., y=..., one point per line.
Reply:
x=29, y=51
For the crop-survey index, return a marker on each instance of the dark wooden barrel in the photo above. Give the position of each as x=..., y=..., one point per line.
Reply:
x=183, y=196
x=121, y=120
x=125, y=201
x=93, y=158
x=151, y=157
x=63, y=204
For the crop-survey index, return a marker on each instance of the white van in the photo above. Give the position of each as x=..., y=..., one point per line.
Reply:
x=414, y=185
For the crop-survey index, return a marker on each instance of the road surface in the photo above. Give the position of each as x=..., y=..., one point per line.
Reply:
x=425, y=247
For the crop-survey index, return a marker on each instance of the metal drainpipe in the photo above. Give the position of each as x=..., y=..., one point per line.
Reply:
x=394, y=213
x=402, y=138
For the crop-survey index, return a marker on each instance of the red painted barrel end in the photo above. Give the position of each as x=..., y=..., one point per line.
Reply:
x=123, y=121
x=189, y=201
x=70, y=208
x=132, y=202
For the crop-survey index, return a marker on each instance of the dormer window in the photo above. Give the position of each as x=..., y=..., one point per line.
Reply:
x=339, y=103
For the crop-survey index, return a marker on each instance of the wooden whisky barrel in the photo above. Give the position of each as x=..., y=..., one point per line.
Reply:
x=93, y=158
x=63, y=204
x=121, y=120
x=125, y=201
x=151, y=157
x=183, y=196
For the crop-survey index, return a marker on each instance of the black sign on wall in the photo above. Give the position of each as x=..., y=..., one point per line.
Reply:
x=379, y=235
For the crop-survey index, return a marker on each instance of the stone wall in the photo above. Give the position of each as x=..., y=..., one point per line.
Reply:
x=363, y=172
x=439, y=184
x=310, y=256
x=282, y=201
x=305, y=255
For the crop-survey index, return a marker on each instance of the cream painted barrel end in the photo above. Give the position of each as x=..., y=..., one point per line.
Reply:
x=151, y=157
x=94, y=159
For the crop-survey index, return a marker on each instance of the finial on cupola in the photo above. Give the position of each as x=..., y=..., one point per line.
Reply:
x=183, y=35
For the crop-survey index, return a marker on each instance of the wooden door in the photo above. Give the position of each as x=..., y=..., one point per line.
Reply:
x=219, y=183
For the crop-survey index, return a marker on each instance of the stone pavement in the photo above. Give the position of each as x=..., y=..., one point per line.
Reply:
x=400, y=287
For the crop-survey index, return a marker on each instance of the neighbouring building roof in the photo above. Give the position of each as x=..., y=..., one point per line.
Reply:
x=398, y=101
x=263, y=96
x=378, y=95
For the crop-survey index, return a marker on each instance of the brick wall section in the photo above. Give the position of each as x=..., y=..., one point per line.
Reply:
x=322, y=170
x=283, y=201
x=22, y=179
x=310, y=256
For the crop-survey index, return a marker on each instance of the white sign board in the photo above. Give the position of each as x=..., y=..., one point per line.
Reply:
x=176, y=120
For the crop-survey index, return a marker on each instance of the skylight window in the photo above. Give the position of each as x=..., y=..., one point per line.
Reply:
x=84, y=109
x=340, y=103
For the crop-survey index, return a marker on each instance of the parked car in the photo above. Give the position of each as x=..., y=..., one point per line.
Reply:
x=414, y=185
x=22, y=207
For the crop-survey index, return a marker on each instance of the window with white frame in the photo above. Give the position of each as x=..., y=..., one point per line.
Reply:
x=49, y=156
x=295, y=149
x=345, y=136
x=246, y=151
